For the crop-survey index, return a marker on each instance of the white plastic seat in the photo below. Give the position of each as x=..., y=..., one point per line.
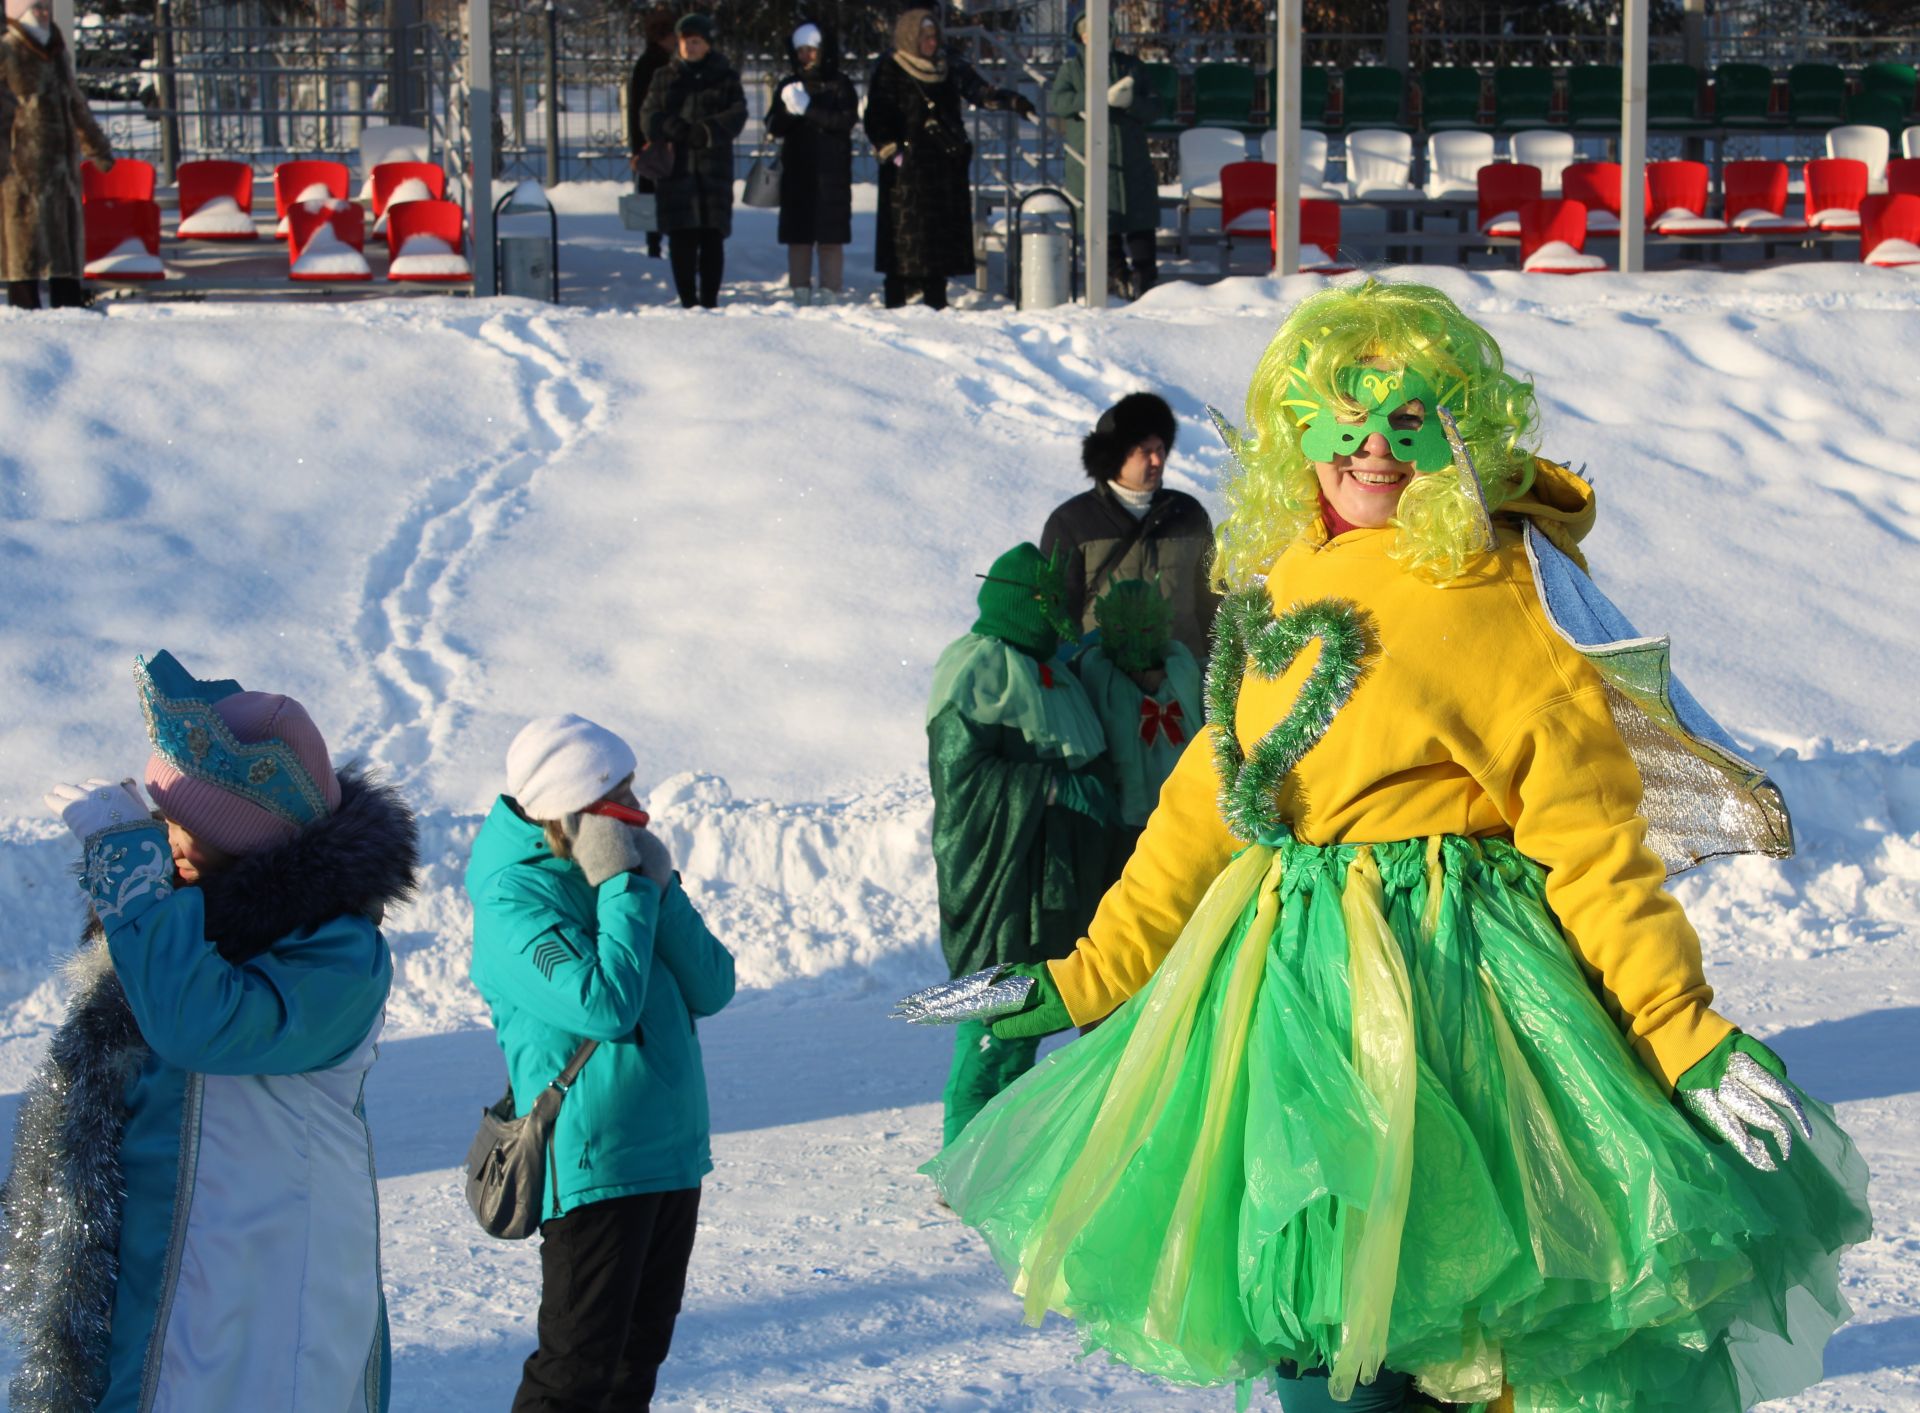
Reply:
x=1894, y=252
x=393, y=142
x=1380, y=166
x=1552, y=152
x=1866, y=144
x=1203, y=152
x=1454, y=160
x=1681, y=222
x=1910, y=142
x=1313, y=163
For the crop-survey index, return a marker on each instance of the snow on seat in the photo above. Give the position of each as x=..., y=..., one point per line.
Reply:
x=1890, y=229
x=1756, y=195
x=426, y=238
x=315, y=183
x=216, y=201
x=1502, y=187
x=123, y=240
x=1677, y=191
x=1835, y=186
x=1553, y=236
x=327, y=245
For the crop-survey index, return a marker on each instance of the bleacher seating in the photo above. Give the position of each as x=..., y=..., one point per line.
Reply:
x=1864, y=144
x=425, y=240
x=1834, y=188
x=1504, y=187
x=1454, y=160
x=1246, y=197
x=122, y=239
x=1522, y=97
x=1223, y=96
x=1202, y=153
x=1373, y=96
x=1596, y=186
x=1380, y=166
x=216, y=201
x=1594, y=97
x=1552, y=152
x=308, y=182
x=1890, y=229
x=1903, y=176
x=1450, y=98
x=396, y=183
x=1313, y=163
x=1677, y=200
x=1899, y=81
x=1319, y=237
x=1743, y=96
x=1164, y=80
x=1756, y=198
x=1868, y=108
x=1673, y=98
x=130, y=180
x=1553, y=239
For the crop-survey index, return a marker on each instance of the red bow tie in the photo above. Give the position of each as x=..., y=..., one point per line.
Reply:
x=1154, y=717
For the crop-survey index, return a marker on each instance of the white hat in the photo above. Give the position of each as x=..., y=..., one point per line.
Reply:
x=807, y=37
x=559, y=765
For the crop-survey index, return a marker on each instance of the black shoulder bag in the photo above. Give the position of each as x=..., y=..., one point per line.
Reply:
x=511, y=1161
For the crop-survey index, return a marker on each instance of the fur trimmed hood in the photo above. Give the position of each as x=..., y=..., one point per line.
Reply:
x=358, y=860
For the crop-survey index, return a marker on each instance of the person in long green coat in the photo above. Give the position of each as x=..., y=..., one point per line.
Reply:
x=1133, y=192
x=1022, y=805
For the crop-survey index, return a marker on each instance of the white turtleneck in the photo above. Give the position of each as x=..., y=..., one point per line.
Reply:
x=1136, y=502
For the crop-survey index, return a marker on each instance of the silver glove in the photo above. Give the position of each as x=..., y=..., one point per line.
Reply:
x=981, y=996
x=1747, y=1094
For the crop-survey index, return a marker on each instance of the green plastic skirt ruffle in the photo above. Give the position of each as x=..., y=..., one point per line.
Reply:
x=1368, y=1113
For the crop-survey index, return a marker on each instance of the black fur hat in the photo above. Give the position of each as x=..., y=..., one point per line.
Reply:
x=1123, y=427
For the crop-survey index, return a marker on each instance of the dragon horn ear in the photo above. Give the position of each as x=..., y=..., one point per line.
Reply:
x=1229, y=434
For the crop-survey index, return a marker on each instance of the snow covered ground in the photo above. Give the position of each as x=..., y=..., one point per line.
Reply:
x=742, y=539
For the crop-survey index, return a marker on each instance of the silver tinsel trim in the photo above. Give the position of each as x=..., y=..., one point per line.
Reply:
x=1742, y=1097
x=982, y=996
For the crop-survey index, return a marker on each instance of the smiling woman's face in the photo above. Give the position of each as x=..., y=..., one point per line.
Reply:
x=1364, y=488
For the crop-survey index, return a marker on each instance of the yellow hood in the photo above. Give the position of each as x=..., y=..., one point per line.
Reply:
x=1560, y=503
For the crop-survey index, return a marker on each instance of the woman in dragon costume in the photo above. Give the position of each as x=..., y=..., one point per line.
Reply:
x=1409, y=1089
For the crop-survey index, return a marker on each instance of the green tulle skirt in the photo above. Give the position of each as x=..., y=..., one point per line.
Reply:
x=1369, y=1114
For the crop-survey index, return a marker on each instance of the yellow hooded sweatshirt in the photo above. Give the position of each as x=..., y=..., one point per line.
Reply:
x=1473, y=716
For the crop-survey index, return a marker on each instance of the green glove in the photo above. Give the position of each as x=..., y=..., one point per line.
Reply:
x=1044, y=1012
x=1740, y=1086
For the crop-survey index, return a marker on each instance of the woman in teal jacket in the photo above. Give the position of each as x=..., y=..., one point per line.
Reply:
x=581, y=931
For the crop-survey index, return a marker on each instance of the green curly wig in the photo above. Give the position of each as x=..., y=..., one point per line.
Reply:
x=1276, y=496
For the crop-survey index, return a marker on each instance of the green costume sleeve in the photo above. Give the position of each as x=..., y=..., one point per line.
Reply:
x=989, y=818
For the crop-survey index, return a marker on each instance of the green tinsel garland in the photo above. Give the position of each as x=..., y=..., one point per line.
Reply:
x=1246, y=634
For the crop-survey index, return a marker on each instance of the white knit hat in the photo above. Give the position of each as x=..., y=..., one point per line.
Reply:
x=807, y=37
x=559, y=765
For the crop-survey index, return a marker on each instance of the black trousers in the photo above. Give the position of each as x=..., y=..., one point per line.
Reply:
x=932, y=290
x=67, y=293
x=611, y=1277
x=697, y=256
x=1141, y=250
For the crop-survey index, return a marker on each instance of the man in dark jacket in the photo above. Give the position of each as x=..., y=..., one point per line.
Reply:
x=813, y=114
x=658, y=29
x=698, y=105
x=1130, y=526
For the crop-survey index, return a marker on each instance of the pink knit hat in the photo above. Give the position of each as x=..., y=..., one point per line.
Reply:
x=223, y=819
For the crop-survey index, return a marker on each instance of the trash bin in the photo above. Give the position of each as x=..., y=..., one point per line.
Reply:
x=523, y=264
x=1045, y=258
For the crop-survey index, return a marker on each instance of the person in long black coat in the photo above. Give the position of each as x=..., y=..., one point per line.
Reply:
x=813, y=114
x=657, y=27
x=917, y=125
x=697, y=104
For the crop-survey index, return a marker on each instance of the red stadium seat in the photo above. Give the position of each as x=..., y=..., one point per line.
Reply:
x=425, y=239
x=1595, y=185
x=216, y=201
x=1677, y=199
x=123, y=240
x=1756, y=198
x=1835, y=187
x=1890, y=229
x=1246, y=196
x=1553, y=238
x=311, y=181
x=130, y=180
x=327, y=244
x=389, y=177
x=1504, y=187
x=1903, y=176
x=1319, y=236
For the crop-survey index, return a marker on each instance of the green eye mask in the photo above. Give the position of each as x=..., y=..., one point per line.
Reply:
x=1381, y=393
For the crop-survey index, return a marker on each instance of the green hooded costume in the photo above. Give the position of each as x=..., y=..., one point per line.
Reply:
x=1022, y=804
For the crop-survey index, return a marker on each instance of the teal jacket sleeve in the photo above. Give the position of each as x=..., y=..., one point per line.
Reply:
x=588, y=983
x=302, y=1006
x=698, y=961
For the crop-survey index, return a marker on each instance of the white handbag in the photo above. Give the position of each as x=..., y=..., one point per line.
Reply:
x=763, y=180
x=639, y=211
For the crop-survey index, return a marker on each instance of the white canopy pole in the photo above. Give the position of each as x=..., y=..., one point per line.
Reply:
x=62, y=11
x=1093, y=215
x=1633, y=139
x=1286, y=130
x=480, y=141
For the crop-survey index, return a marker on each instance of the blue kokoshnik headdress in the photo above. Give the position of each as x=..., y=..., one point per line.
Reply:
x=188, y=733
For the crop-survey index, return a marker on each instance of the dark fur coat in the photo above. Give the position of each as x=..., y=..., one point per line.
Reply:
x=60, y=1208
x=44, y=124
